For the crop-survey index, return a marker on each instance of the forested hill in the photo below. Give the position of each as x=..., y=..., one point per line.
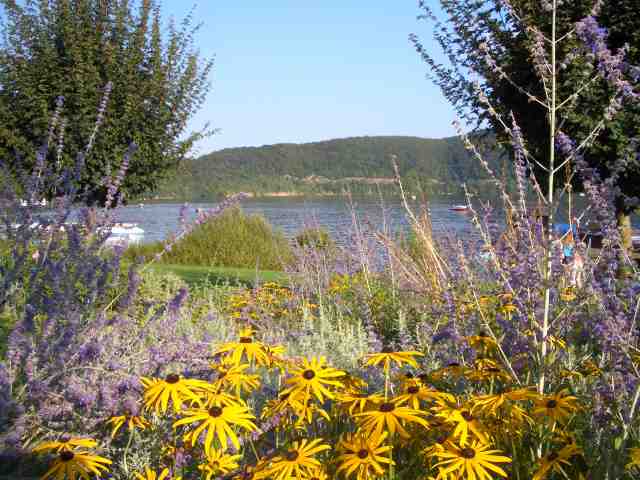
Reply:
x=358, y=163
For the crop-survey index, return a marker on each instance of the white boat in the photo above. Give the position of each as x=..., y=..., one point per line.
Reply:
x=459, y=208
x=125, y=234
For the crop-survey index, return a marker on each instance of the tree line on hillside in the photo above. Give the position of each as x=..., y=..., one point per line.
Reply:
x=332, y=166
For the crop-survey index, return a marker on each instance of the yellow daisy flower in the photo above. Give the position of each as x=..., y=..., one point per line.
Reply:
x=221, y=399
x=132, y=422
x=246, y=348
x=305, y=410
x=297, y=462
x=150, y=474
x=314, y=377
x=65, y=444
x=492, y=403
x=158, y=392
x=553, y=461
x=482, y=341
x=474, y=461
x=364, y=455
x=219, y=463
x=387, y=355
x=389, y=416
x=416, y=392
x=73, y=465
x=234, y=377
x=634, y=455
x=557, y=407
x=465, y=423
x=217, y=421
x=358, y=402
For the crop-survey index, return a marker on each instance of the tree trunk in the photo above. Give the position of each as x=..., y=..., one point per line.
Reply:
x=624, y=227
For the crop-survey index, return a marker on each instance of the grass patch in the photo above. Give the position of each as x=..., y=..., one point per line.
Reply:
x=195, y=275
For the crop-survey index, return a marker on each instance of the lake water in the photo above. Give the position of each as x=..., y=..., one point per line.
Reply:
x=291, y=214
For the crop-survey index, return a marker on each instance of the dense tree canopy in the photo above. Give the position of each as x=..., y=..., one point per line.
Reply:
x=474, y=29
x=73, y=49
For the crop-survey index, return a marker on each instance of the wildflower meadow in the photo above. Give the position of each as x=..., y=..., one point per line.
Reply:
x=426, y=357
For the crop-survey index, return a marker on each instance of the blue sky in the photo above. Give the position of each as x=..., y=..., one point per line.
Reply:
x=308, y=70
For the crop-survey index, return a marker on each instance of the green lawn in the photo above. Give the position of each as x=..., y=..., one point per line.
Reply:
x=195, y=275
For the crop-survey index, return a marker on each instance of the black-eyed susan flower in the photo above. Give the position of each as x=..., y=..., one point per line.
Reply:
x=482, y=341
x=553, y=461
x=173, y=388
x=65, y=443
x=218, y=463
x=75, y=464
x=415, y=392
x=306, y=409
x=246, y=348
x=568, y=294
x=388, y=416
x=359, y=402
x=473, y=461
x=220, y=399
x=151, y=474
x=318, y=474
x=557, y=407
x=234, y=377
x=634, y=457
x=131, y=421
x=313, y=377
x=298, y=461
x=387, y=355
x=217, y=421
x=364, y=456
x=493, y=402
x=464, y=424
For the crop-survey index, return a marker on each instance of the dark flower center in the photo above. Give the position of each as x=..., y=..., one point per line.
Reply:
x=442, y=438
x=413, y=389
x=387, y=407
x=308, y=374
x=453, y=364
x=363, y=453
x=552, y=404
x=492, y=369
x=408, y=375
x=66, y=455
x=468, y=453
x=552, y=456
x=387, y=349
x=172, y=378
x=215, y=411
x=466, y=415
x=424, y=377
x=246, y=340
x=291, y=456
x=482, y=333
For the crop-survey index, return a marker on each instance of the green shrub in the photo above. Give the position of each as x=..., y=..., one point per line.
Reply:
x=317, y=238
x=233, y=239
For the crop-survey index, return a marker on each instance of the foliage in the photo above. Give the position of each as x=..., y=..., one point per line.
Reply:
x=362, y=164
x=495, y=41
x=156, y=78
x=232, y=239
x=318, y=238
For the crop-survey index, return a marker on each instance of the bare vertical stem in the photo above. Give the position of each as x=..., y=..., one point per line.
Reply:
x=550, y=190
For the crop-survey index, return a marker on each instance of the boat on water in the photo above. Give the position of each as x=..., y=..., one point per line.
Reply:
x=459, y=208
x=125, y=234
